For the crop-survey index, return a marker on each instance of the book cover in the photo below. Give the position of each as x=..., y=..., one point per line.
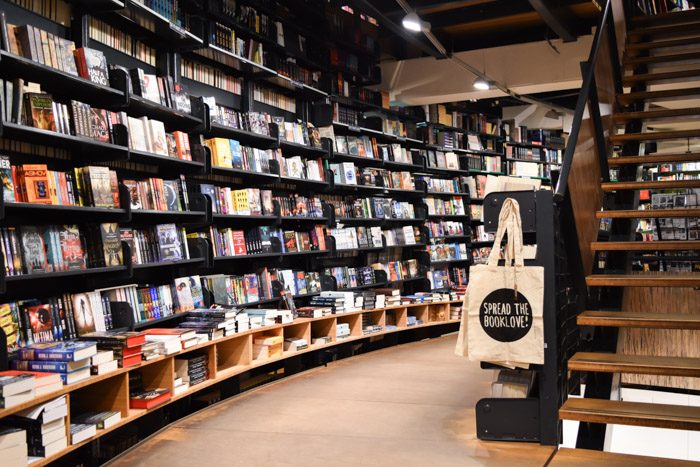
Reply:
x=59, y=351
x=290, y=241
x=35, y=183
x=183, y=294
x=111, y=244
x=250, y=286
x=268, y=208
x=95, y=64
x=159, y=144
x=72, y=248
x=169, y=244
x=33, y=250
x=101, y=186
x=149, y=88
x=8, y=186
x=82, y=314
x=39, y=111
x=300, y=282
x=40, y=321
x=99, y=122
x=172, y=198
x=239, y=244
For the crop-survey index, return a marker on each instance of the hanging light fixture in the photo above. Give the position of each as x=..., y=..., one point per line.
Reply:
x=412, y=22
x=481, y=84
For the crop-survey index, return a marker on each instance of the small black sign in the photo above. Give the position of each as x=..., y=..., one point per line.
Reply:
x=505, y=315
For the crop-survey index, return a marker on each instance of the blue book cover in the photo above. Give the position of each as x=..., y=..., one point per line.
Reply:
x=49, y=366
x=68, y=351
x=236, y=154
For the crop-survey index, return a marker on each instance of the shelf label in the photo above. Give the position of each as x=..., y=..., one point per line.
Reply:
x=354, y=128
x=177, y=29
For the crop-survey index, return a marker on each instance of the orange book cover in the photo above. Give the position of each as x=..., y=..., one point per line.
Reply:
x=35, y=179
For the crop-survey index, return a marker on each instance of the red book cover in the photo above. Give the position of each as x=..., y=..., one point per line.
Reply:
x=131, y=360
x=239, y=243
x=149, y=399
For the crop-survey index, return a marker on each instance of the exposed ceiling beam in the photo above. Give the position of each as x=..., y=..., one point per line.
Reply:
x=557, y=18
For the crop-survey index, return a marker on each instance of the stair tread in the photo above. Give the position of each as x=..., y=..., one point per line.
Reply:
x=671, y=17
x=661, y=76
x=631, y=413
x=650, y=184
x=638, y=319
x=655, y=135
x=626, y=99
x=644, y=280
x=656, y=114
x=654, y=158
x=646, y=246
x=647, y=213
x=634, y=364
x=567, y=457
x=638, y=46
x=667, y=30
x=666, y=58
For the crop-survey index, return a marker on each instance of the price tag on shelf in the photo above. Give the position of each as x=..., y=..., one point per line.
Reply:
x=354, y=128
x=177, y=29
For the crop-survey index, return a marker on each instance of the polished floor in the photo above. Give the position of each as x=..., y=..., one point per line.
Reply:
x=411, y=405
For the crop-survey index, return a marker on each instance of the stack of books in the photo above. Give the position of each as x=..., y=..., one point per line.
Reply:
x=45, y=425
x=314, y=311
x=413, y=321
x=192, y=369
x=126, y=346
x=100, y=420
x=342, y=330
x=103, y=362
x=171, y=340
x=225, y=319
x=16, y=389
x=79, y=432
x=335, y=303
x=369, y=299
x=294, y=344
x=392, y=297
x=143, y=398
x=13, y=446
x=69, y=359
x=368, y=327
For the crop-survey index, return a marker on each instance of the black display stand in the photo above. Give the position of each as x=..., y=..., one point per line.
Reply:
x=534, y=418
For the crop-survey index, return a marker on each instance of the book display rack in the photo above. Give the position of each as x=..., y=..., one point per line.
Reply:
x=148, y=145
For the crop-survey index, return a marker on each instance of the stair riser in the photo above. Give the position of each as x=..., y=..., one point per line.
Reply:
x=660, y=60
x=651, y=160
x=634, y=50
x=660, y=185
x=650, y=117
x=625, y=420
x=662, y=32
x=641, y=370
x=672, y=18
x=686, y=76
x=658, y=136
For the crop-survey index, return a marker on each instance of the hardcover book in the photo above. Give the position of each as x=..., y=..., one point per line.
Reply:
x=82, y=314
x=68, y=351
x=8, y=187
x=33, y=250
x=40, y=321
x=36, y=183
x=100, y=125
x=72, y=248
x=94, y=63
x=101, y=186
x=39, y=111
x=111, y=244
x=172, y=198
x=169, y=244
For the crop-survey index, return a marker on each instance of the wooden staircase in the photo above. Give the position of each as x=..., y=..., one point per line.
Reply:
x=656, y=49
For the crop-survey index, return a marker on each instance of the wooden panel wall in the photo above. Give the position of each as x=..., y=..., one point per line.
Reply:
x=660, y=342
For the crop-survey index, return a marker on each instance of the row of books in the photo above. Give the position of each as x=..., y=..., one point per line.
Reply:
x=440, y=185
x=210, y=76
x=51, y=50
x=254, y=122
x=351, y=277
x=370, y=208
x=348, y=174
x=157, y=194
x=528, y=169
x=159, y=89
x=443, y=160
x=479, y=234
x=364, y=146
x=300, y=168
x=296, y=205
x=231, y=242
x=398, y=270
x=230, y=154
x=453, y=206
x=149, y=135
x=476, y=185
x=298, y=132
x=120, y=40
x=32, y=249
x=350, y=238
x=225, y=38
x=485, y=163
x=533, y=154
x=156, y=244
x=437, y=229
x=274, y=98
x=242, y=202
x=448, y=251
x=447, y=277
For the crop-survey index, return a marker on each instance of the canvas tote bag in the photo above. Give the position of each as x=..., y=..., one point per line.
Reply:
x=502, y=318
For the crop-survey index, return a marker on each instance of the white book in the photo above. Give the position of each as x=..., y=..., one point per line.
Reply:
x=105, y=367
x=102, y=356
x=158, y=140
x=137, y=135
x=80, y=432
x=348, y=173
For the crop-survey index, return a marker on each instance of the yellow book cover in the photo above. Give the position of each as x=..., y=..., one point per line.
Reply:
x=241, y=202
x=223, y=150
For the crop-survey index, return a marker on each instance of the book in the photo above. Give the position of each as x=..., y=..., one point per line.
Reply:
x=169, y=244
x=80, y=432
x=92, y=65
x=68, y=351
x=149, y=399
x=33, y=250
x=39, y=111
x=8, y=187
x=13, y=384
x=111, y=244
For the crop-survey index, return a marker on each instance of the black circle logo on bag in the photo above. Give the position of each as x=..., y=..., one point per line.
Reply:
x=505, y=315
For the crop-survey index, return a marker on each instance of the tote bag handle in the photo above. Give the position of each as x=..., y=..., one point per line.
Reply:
x=508, y=222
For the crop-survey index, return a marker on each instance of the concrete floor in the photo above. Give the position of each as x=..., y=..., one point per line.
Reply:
x=411, y=405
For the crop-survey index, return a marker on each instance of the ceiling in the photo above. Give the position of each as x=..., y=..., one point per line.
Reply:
x=462, y=25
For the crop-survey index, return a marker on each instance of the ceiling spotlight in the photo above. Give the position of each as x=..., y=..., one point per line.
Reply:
x=413, y=23
x=481, y=84
x=553, y=114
